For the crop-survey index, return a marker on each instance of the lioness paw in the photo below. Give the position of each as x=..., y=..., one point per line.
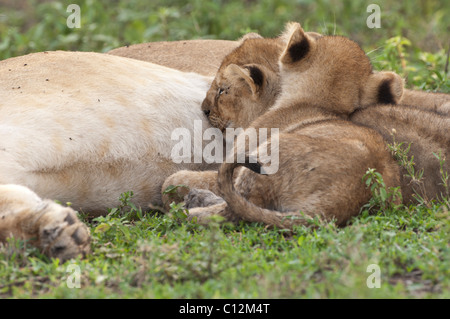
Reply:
x=62, y=235
x=54, y=229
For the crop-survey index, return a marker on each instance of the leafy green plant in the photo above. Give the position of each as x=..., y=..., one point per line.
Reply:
x=383, y=198
x=444, y=174
x=112, y=228
x=401, y=154
x=126, y=208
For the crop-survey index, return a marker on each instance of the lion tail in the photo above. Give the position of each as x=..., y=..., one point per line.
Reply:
x=249, y=211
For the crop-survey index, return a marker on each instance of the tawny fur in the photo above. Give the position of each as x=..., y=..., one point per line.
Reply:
x=239, y=106
x=51, y=227
x=85, y=127
x=209, y=57
x=425, y=131
x=437, y=102
x=199, y=56
x=322, y=157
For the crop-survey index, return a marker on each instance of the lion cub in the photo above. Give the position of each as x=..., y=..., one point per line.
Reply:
x=259, y=56
x=424, y=122
x=322, y=157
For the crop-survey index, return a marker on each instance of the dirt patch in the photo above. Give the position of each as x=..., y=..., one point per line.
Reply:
x=415, y=284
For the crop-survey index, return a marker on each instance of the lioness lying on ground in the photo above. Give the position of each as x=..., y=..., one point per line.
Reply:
x=83, y=128
x=322, y=157
x=258, y=60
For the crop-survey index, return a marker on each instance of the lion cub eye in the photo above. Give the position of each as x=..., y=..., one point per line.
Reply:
x=220, y=91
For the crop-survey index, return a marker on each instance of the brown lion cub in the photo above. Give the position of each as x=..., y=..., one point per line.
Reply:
x=259, y=56
x=322, y=158
x=424, y=122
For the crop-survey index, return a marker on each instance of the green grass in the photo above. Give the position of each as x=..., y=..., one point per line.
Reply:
x=159, y=256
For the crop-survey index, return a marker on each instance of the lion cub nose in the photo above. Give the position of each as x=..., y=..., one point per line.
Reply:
x=207, y=112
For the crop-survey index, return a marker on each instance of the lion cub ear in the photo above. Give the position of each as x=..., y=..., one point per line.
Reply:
x=314, y=35
x=250, y=74
x=382, y=88
x=299, y=43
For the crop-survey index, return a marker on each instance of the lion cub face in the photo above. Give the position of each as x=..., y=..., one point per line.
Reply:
x=245, y=85
x=240, y=95
x=332, y=71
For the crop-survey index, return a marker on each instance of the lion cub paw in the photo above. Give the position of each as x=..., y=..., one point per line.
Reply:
x=201, y=198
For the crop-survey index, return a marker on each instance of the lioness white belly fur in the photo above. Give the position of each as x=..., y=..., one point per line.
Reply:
x=86, y=127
